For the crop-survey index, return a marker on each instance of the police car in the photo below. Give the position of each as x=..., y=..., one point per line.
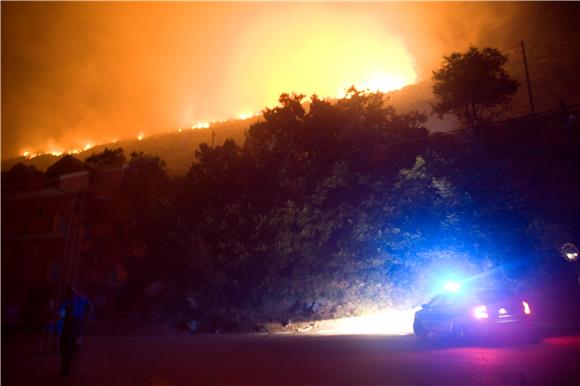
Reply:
x=474, y=312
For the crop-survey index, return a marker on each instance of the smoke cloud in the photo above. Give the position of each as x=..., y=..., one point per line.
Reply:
x=86, y=73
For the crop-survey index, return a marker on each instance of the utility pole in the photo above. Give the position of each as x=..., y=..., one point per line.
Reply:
x=528, y=77
x=75, y=263
x=63, y=280
x=69, y=268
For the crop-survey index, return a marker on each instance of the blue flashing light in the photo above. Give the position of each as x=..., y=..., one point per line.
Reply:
x=452, y=286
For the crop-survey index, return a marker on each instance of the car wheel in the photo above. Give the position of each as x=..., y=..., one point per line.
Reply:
x=419, y=329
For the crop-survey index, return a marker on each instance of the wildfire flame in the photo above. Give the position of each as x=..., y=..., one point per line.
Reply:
x=200, y=125
x=247, y=115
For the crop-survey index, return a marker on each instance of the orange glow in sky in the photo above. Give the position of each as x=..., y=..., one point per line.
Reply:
x=74, y=71
x=321, y=54
x=101, y=69
x=311, y=53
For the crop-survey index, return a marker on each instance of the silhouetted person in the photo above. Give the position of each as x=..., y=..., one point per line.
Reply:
x=59, y=315
x=47, y=310
x=67, y=340
x=77, y=308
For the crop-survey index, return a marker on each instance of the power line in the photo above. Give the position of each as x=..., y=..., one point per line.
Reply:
x=528, y=77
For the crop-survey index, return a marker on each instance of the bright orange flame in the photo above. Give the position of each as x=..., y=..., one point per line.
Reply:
x=247, y=115
x=334, y=53
x=200, y=125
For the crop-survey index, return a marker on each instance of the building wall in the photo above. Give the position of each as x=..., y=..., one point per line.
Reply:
x=66, y=231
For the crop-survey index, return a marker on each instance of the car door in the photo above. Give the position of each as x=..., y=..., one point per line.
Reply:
x=435, y=314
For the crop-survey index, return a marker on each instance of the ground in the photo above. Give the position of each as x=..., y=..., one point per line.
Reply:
x=297, y=360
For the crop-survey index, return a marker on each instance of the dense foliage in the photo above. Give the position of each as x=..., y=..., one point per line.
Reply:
x=340, y=207
x=473, y=86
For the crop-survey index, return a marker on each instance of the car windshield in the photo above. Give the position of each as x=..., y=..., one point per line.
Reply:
x=469, y=298
x=490, y=296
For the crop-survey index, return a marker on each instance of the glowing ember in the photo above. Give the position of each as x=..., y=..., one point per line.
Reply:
x=140, y=136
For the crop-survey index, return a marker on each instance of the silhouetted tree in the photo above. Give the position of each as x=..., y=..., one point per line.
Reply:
x=216, y=178
x=67, y=164
x=138, y=158
x=108, y=157
x=21, y=176
x=473, y=85
x=148, y=214
x=327, y=200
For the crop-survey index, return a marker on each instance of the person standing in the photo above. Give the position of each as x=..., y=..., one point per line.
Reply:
x=77, y=308
x=47, y=309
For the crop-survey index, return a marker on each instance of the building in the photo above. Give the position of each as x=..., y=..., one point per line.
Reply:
x=62, y=227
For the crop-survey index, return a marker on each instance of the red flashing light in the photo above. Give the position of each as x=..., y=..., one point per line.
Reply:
x=480, y=312
x=527, y=309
